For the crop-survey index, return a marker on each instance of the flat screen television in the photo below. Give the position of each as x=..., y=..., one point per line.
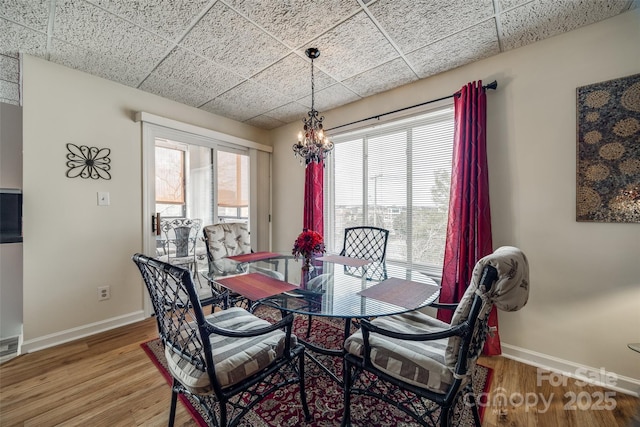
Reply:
x=10, y=215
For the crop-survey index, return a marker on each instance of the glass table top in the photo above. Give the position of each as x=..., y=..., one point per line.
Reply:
x=331, y=289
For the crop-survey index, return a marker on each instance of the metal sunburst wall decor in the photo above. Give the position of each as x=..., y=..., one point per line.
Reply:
x=88, y=162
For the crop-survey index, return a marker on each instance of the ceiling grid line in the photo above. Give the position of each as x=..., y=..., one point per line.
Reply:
x=389, y=38
x=244, y=60
x=176, y=42
x=497, y=11
x=50, y=24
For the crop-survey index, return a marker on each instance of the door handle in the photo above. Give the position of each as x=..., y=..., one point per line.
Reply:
x=155, y=223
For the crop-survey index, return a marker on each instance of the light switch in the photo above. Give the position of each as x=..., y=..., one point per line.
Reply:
x=103, y=198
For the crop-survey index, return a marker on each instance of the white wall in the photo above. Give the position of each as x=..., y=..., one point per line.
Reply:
x=71, y=245
x=585, y=277
x=10, y=146
x=10, y=253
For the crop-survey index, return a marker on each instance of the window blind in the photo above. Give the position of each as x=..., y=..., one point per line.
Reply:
x=397, y=177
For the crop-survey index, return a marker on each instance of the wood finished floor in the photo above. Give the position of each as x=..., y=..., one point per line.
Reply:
x=107, y=380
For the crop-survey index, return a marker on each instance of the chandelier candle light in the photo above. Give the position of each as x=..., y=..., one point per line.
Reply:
x=312, y=145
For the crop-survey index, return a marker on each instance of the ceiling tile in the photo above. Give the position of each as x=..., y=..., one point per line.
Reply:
x=298, y=81
x=186, y=77
x=9, y=91
x=508, y=4
x=9, y=69
x=240, y=103
x=102, y=34
x=295, y=22
x=289, y=113
x=352, y=47
x=541, y=19
x=244, y=59
x=9, y=101
x=412, y=24
x=175, y=90
x=228, y=107
x=387, y=76
x=115, y=69
x=168, y=19
x=16, y=38
x=472, y=45
x=225, y=37
x=30, y=13
x=265, y=122
x=331, y=97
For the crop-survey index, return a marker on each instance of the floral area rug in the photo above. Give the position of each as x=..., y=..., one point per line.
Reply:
x=324, y=395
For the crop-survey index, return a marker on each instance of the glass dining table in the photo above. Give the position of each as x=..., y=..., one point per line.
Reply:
x=335, y=288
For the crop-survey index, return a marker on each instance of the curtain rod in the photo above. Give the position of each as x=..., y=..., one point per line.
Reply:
x=492, y=85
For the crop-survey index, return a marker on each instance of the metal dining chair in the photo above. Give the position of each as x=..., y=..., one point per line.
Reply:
x=364, y=242
x=228, y=361
x=226, y=239
x=179, y=241
x=179, y=247
x=424, y=366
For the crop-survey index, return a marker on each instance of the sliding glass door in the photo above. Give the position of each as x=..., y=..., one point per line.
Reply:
x=201, y=184
x=209, y=184
x=232, y=179
x=192, y=176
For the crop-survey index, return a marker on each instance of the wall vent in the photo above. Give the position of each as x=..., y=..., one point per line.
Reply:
x=9, y=346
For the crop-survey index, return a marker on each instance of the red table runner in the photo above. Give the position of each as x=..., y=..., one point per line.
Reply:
x=405, y=293
x=255, y=286
x=254, y=256
x=344, y=260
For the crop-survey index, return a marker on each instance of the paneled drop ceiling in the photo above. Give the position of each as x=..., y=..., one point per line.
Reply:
x=244, y=59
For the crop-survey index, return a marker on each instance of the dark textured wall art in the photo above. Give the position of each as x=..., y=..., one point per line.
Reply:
x=88, y=162
x=608, y=158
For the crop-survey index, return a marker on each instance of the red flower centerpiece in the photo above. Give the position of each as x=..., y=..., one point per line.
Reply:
x=308, y=243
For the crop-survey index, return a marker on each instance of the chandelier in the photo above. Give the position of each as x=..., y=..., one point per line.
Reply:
x=312, y=145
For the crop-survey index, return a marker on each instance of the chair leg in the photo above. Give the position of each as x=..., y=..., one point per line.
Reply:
x=223, y=413
x=474, y=408
x=303, y=390
x=172, y=411
x=308, y=326
x=347, y=382
x=444, y=416
x=448, y=412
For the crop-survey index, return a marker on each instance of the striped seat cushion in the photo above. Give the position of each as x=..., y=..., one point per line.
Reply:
x=234, y=358
x=421, y=363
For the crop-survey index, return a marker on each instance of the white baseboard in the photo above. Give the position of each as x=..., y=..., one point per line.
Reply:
x=62, y=337
x=596, y=376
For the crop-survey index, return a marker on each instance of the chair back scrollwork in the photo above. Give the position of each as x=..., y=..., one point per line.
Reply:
x=179, y=240
x=369, y=243
x=226, y=384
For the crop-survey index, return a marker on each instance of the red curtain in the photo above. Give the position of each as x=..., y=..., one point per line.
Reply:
x=469, y=222
x=313, y=197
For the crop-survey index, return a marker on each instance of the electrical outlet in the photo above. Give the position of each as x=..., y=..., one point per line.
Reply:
x=104, y=293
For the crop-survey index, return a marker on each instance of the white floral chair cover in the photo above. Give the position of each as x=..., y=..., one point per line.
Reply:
x=224, y=240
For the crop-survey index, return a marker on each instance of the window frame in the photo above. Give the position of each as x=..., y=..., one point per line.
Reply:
x=182, y=148
x=393, y=124
x=216, y=165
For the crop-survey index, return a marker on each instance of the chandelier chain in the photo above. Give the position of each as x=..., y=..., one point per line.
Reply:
x=312, y=145
x=313, y=88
